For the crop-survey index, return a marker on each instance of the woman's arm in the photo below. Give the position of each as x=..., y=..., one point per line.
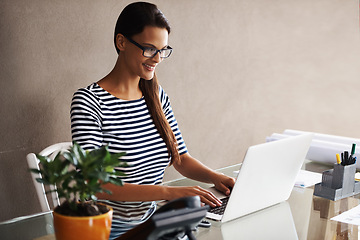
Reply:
x=189, y=167
x=134, y=192
x=86, y=120
x=194, y=169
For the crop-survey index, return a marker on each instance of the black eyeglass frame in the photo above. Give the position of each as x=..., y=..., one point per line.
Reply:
x=145, y=48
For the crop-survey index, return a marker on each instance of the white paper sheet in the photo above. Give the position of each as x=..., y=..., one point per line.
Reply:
x=351, y=216
x=306, y=179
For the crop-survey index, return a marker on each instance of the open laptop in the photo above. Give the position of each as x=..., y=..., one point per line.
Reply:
x=267, y=176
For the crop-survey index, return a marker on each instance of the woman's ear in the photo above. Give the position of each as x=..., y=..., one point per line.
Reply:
x=120, y=42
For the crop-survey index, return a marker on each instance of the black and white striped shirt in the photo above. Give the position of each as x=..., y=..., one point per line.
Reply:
x=99, y=118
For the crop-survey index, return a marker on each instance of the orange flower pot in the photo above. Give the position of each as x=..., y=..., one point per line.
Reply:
x=93, y=227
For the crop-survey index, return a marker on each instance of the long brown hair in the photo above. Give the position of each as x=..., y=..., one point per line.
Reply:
x=132, y=20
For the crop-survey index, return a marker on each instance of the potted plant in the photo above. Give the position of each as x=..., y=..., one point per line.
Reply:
x=78, y=176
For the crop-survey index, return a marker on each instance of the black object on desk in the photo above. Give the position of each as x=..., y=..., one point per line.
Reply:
x=173, y=220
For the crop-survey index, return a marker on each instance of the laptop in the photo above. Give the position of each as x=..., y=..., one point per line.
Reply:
x=267, y=177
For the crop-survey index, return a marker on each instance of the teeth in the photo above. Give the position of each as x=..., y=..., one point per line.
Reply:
x=148, y=66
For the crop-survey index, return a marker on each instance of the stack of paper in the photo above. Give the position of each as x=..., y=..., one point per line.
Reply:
x=324, y=147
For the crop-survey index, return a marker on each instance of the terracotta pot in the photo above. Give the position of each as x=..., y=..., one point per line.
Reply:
x=93, y=227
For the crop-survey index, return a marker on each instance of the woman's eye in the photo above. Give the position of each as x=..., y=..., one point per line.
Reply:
x=151, y=50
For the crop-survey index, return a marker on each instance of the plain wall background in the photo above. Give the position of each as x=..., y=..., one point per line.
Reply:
x=240, y=71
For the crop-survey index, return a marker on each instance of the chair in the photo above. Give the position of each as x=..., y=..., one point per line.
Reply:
x=33, y=162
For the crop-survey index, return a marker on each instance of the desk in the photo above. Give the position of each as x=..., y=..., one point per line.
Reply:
x=310, y=216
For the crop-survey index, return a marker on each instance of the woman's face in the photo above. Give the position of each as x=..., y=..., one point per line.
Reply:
x=139, y=65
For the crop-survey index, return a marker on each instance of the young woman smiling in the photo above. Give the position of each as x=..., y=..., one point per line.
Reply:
x=130, y=112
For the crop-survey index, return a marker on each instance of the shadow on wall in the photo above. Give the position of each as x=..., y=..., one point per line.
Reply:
x=46, y=50
x=23, y=131
x=25, y=115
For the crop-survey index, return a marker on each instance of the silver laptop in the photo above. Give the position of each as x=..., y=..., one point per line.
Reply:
x=267, y=176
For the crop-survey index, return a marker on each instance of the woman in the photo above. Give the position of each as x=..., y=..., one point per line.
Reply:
x=131, y=113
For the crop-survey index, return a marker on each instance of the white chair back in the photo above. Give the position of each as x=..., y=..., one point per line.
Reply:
x=33, y=162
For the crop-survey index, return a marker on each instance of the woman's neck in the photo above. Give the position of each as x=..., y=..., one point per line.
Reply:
x=121, y=84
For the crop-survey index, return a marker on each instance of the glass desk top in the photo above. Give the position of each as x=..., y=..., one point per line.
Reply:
x=302, y=216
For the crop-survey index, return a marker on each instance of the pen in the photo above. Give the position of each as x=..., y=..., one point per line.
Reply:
x=346, y=157
x=352, y=159
x=338, y=160
x=353, y=149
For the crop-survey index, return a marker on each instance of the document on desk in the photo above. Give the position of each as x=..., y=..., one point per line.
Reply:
x=307, y=179
x=351, y=216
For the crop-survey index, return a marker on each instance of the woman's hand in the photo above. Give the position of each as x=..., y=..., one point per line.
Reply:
x=223, y=183
x=194, y=169
x=206, y=196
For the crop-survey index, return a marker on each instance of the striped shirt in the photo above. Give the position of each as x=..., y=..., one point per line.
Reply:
x=99, y=118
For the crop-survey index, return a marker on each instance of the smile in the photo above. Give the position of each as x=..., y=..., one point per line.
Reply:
x=149, y=67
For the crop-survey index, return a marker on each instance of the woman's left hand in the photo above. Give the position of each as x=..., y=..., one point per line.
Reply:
x=223, y=183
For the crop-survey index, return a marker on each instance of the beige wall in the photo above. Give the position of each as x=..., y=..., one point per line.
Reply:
x=240, y=71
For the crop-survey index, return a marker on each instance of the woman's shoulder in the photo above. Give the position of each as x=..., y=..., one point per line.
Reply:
x=164, y=98
x=93, y=90
x=89, y=93
x=90, y=89
x=162, y=94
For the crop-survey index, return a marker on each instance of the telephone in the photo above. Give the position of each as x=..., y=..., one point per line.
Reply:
x=185, y=202
x=174, y=220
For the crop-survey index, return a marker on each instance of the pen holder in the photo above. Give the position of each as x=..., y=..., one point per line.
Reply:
x=338, y=183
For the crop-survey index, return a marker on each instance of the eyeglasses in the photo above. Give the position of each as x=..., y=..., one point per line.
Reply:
x=150, y=52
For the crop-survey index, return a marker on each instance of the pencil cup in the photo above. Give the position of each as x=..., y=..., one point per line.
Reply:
x=344, y=177
x=338, y=183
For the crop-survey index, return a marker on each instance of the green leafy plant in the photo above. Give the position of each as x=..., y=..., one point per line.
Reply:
x=79, y=175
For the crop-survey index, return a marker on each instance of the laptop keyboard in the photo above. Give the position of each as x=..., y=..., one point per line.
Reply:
x=220, y=210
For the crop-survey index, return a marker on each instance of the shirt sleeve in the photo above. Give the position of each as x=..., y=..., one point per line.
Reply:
x=86, y=120
x=166, y=105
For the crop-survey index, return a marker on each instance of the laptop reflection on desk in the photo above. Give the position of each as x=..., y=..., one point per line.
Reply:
x=275, y=222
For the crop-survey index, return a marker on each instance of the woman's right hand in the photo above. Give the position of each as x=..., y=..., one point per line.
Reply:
x=206, y=196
